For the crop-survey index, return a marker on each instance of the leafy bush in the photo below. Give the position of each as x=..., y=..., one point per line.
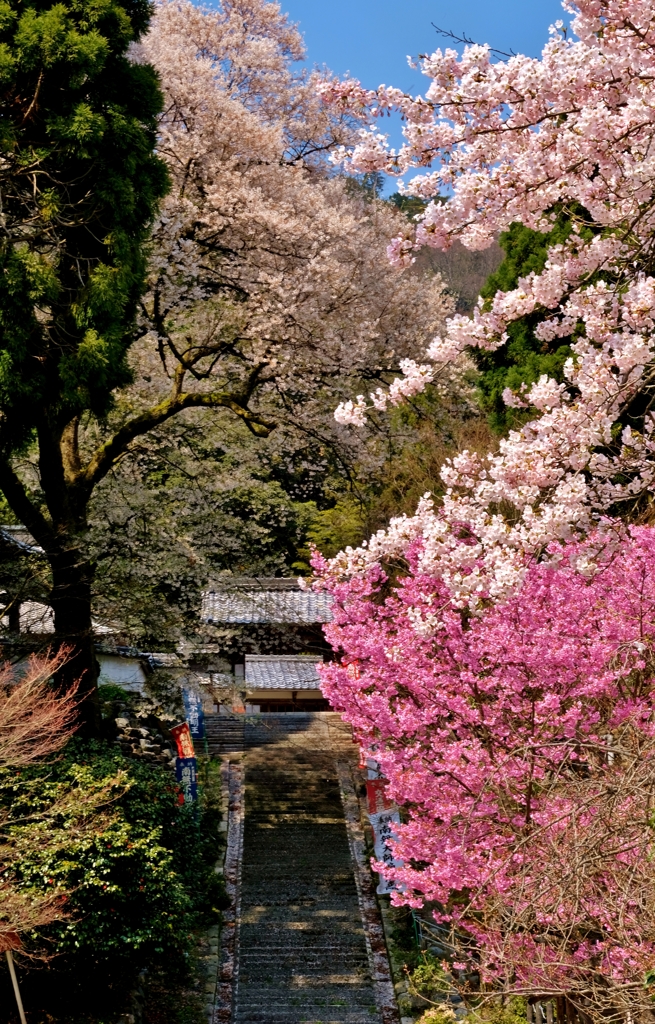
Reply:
x=509, y=1011
x=429, y=979
x=112, y=697
x=497, y=1011
x=439, y=1015
x=139, y=881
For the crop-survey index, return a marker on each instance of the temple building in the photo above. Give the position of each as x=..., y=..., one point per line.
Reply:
x=257, y=650
x=271, y=633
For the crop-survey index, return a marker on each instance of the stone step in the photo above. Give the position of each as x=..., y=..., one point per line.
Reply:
x=299, y=1016
x=293, y=968
x=320, y=1012
x=306, y=1015
x=343, y=970
x=298, y=948
x=260, y=995
x=289, y=965
x=232, y=734
x=288, y=1010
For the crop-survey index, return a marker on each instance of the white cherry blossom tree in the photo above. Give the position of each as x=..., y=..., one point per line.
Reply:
x=268, y=295
x=525, y=140
x=266, y=279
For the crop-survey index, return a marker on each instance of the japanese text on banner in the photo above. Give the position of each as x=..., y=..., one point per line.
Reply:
x=384, y=830
x=194, y=714
x=187, y=777
x=182, y=736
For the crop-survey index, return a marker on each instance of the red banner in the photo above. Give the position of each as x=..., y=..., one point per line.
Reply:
x=182, y=736
x=376, y=798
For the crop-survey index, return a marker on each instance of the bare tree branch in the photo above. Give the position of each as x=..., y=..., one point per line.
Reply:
x=464, y=39
x=108, y=453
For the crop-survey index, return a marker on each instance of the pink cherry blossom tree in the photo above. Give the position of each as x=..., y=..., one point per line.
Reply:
x=521, y=743
x=497, y=649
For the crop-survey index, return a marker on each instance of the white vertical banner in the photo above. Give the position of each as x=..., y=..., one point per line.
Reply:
x=384, y=830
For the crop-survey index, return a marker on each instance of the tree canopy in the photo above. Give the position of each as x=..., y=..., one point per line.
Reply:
x=524, y=358
x=251, y=295
x=80, y=183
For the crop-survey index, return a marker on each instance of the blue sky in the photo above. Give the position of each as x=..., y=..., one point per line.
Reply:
x=372, y=38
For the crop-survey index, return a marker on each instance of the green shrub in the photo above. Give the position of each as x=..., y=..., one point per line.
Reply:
x=113, y=697
x=438, y=1015
x=112, y=692
x=139, y=874
x=429, y=979
x=497, y=1011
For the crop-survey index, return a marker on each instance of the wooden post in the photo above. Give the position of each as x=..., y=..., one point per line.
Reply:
x=549, y=1012
x=571, y=1012
x=14, y=981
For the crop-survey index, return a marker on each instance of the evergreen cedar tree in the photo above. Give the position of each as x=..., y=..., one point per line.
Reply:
x=80, y=184
x=524, y=358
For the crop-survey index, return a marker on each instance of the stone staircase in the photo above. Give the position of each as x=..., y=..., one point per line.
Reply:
x=225, y=734
x=301, y=951
x=228, y=734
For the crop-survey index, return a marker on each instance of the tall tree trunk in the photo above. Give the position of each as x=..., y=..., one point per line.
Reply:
x=72, y=576
x=61, y=533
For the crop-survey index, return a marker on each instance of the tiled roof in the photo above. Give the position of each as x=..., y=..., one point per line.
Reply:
x=280, y=605
x=257, y=583
x=282, y=672
x=36, y=617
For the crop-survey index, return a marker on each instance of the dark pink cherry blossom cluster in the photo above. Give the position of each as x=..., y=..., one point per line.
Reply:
x=521, y=743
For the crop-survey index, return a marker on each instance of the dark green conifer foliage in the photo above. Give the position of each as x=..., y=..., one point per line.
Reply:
x=79, y=184
x=524, y=358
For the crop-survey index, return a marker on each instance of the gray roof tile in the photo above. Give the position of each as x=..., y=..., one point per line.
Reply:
x=282, y=672
x=267, y=606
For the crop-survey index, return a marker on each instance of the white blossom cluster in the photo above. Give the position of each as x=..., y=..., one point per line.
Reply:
x=517, y=141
